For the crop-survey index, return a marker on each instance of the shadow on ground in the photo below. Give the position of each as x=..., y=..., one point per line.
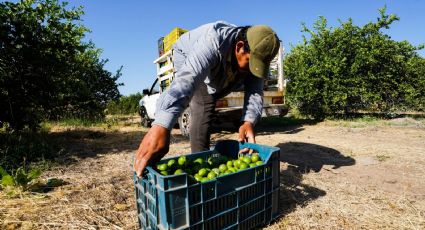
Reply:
x=267, y=126
x=67, y=145
x=302, y=158
x=91, y=144
x=306, y=157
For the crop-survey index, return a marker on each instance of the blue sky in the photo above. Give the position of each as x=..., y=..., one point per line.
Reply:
x=128, y=30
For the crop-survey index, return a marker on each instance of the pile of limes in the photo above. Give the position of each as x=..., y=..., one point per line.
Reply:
x=202, y=169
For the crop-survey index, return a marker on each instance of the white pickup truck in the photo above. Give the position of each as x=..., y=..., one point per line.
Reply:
x=229, y=108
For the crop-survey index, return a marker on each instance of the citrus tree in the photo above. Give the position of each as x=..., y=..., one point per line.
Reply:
x=350, y=68
x=47, y=70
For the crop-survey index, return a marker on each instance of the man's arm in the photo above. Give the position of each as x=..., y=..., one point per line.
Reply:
x=253, y=106
x=192, y=72
x=253, y=99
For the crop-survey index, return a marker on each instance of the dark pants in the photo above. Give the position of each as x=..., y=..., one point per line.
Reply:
x=202, y=108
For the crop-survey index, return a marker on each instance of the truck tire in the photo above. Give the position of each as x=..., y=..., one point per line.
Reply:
x=144, y=119
x=184, y=122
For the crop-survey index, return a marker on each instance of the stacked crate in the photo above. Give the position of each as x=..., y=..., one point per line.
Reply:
x=172, y=37
x=165, y=68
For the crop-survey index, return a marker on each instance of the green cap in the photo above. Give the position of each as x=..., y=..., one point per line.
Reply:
x=264, y=45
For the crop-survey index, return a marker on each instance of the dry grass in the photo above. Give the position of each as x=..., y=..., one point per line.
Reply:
x=332, y=177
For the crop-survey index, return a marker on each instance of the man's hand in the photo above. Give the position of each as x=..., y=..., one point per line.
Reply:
x=153, y=147
x=246, y=134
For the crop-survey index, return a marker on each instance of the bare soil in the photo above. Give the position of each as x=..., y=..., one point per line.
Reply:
x=334, y=175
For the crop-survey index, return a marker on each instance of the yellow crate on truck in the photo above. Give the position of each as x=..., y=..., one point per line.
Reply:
x=172, y=37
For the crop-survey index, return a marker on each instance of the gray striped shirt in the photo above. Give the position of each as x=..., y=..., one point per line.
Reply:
x=200, y=56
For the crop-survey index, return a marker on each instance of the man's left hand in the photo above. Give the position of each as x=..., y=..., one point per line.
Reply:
x=246, y=134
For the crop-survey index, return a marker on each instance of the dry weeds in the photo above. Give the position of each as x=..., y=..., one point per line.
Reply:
x=333, y=177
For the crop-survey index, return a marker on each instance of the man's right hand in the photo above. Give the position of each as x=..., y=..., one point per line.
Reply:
x=153, y=147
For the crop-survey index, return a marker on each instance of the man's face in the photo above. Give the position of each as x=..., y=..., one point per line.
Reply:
x=242, y=57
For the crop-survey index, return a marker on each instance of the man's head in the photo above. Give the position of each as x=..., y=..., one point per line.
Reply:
x=255, y=48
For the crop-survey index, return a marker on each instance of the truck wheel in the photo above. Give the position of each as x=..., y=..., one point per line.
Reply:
x=144, y=119
x=184, y=122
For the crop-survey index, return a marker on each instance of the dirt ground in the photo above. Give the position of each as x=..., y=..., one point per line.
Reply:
x=334, y=175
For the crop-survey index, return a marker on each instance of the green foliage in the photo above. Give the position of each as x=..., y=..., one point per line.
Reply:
x=20, y=147
x=21, y=177
x=351, y=68
x=46, y=70
x=7, y=180
x=125, y=104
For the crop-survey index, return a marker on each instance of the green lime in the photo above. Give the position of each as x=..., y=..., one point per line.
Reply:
x=178, y=171
x=198, y=177
x=199, y=160
x=165, y=173
x=229, y=164
x=252, y=165
x=204, y=179
x=162, y=167
x=182, y=160
x=227, y=172
x=222, y=168
x=247, y=160
x=212, y=175
x=237, y=163
x=216, y=170
x=171, y=162
x=202, y=172
x=255, y=158
x=243, y=166
x=232, y=169
x=259, y=162
x=241, y=158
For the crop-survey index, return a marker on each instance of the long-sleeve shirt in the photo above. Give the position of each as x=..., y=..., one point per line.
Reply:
x=201, y=56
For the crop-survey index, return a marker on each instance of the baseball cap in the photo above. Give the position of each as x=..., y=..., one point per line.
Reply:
x=264, y=45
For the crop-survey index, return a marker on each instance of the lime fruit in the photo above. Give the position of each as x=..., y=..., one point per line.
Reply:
x=237, y=163
x=162, y=167
x=165, y=173
x=247, y=160
x=178, y=171
x=171, y=162
x=252, y=165
x=229, y=164
x=199, y=160
x=198, y=177
x=243, y=166
x=212, y=175
x=222, y=168
x=255, y=158
x=204, y=179
x=182, y=160
x=216, y=171
x=202, y=172
x=259, y=162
